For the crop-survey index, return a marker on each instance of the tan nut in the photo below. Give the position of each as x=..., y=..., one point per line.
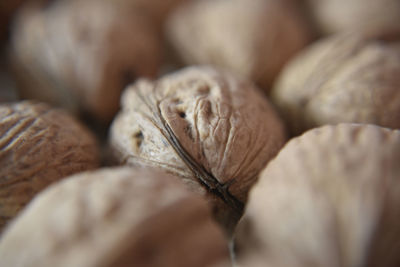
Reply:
x=38, y=145
x=214, y=131
x=330, y=198
x=345, y=78
x=251, y=38
x=333, y=16
x=81, y=54
x=115, y=217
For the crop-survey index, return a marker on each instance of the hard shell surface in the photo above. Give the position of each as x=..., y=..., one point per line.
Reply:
x=332, y=16
x=349, y=77
x=115, y=217
x=81, y=54
x=250, y=38
x=214, y=131
x=38, y=145
x=330, y=198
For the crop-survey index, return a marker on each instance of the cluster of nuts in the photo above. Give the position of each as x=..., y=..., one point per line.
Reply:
x=246, y=133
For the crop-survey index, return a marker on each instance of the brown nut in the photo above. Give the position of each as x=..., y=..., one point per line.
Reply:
x=344, y=78
x=81, y=54
x=333, y=16
x=115, y=217
x=330, y=198
x=214, y=131
x=38, y=145
x=251, y=38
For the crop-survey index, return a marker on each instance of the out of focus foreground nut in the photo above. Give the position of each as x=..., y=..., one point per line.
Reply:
x=115, y=217
x=330, y=198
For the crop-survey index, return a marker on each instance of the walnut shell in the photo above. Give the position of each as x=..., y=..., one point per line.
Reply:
x=38, y=145
x=330, y=198
x=251, y=38
x=115, y=217
x=344, y=78
x=214, y=131
x=333, y=16
x=81, y=54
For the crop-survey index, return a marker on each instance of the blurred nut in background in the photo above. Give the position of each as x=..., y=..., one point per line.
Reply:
x=7, y=11
x=81, y=54
x=214, y=131
x=330, y=198
x=348, y=77
x=115, y=217
x=38, y=145
x=333, y=16
x=251, y=38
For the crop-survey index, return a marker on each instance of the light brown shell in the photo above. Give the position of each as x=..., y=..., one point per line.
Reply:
x=214, y=131
x=81, y=54
x=115, y=217
x=333, y=16
x=330, y=198
x=251, y=38
x=38, y=145
x=348, y=77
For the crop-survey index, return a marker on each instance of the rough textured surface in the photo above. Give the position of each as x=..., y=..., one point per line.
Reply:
x=251, y=38
x=214, y=131
x=81, y=54
x=38, y=145
x=342, y=15
x=344, y=78
x=115, y=217
x=330, y=198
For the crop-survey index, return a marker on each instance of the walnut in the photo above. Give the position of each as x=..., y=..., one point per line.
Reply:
x=38, y=145
x=214, y=131
x=115, y=217
x=333, y=16
x=251, y=38
x=81, y=54
x=344, y=78
x=330, y=198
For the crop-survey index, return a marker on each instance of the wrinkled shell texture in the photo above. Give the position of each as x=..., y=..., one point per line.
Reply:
x=330, y=198
x=202, y=124
x=251, y=38
x=344, y=78
x=114, y=217
x=342, y=15
x=38, y=145
x=81, y=54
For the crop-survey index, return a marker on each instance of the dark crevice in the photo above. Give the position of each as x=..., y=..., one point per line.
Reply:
x=182, y=114
x=139, y=138
x=205, y=178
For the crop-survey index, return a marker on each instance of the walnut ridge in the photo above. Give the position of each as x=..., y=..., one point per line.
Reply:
x=214, y=131
x=38, y=145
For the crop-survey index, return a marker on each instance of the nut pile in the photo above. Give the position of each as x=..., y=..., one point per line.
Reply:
x=240, y=133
